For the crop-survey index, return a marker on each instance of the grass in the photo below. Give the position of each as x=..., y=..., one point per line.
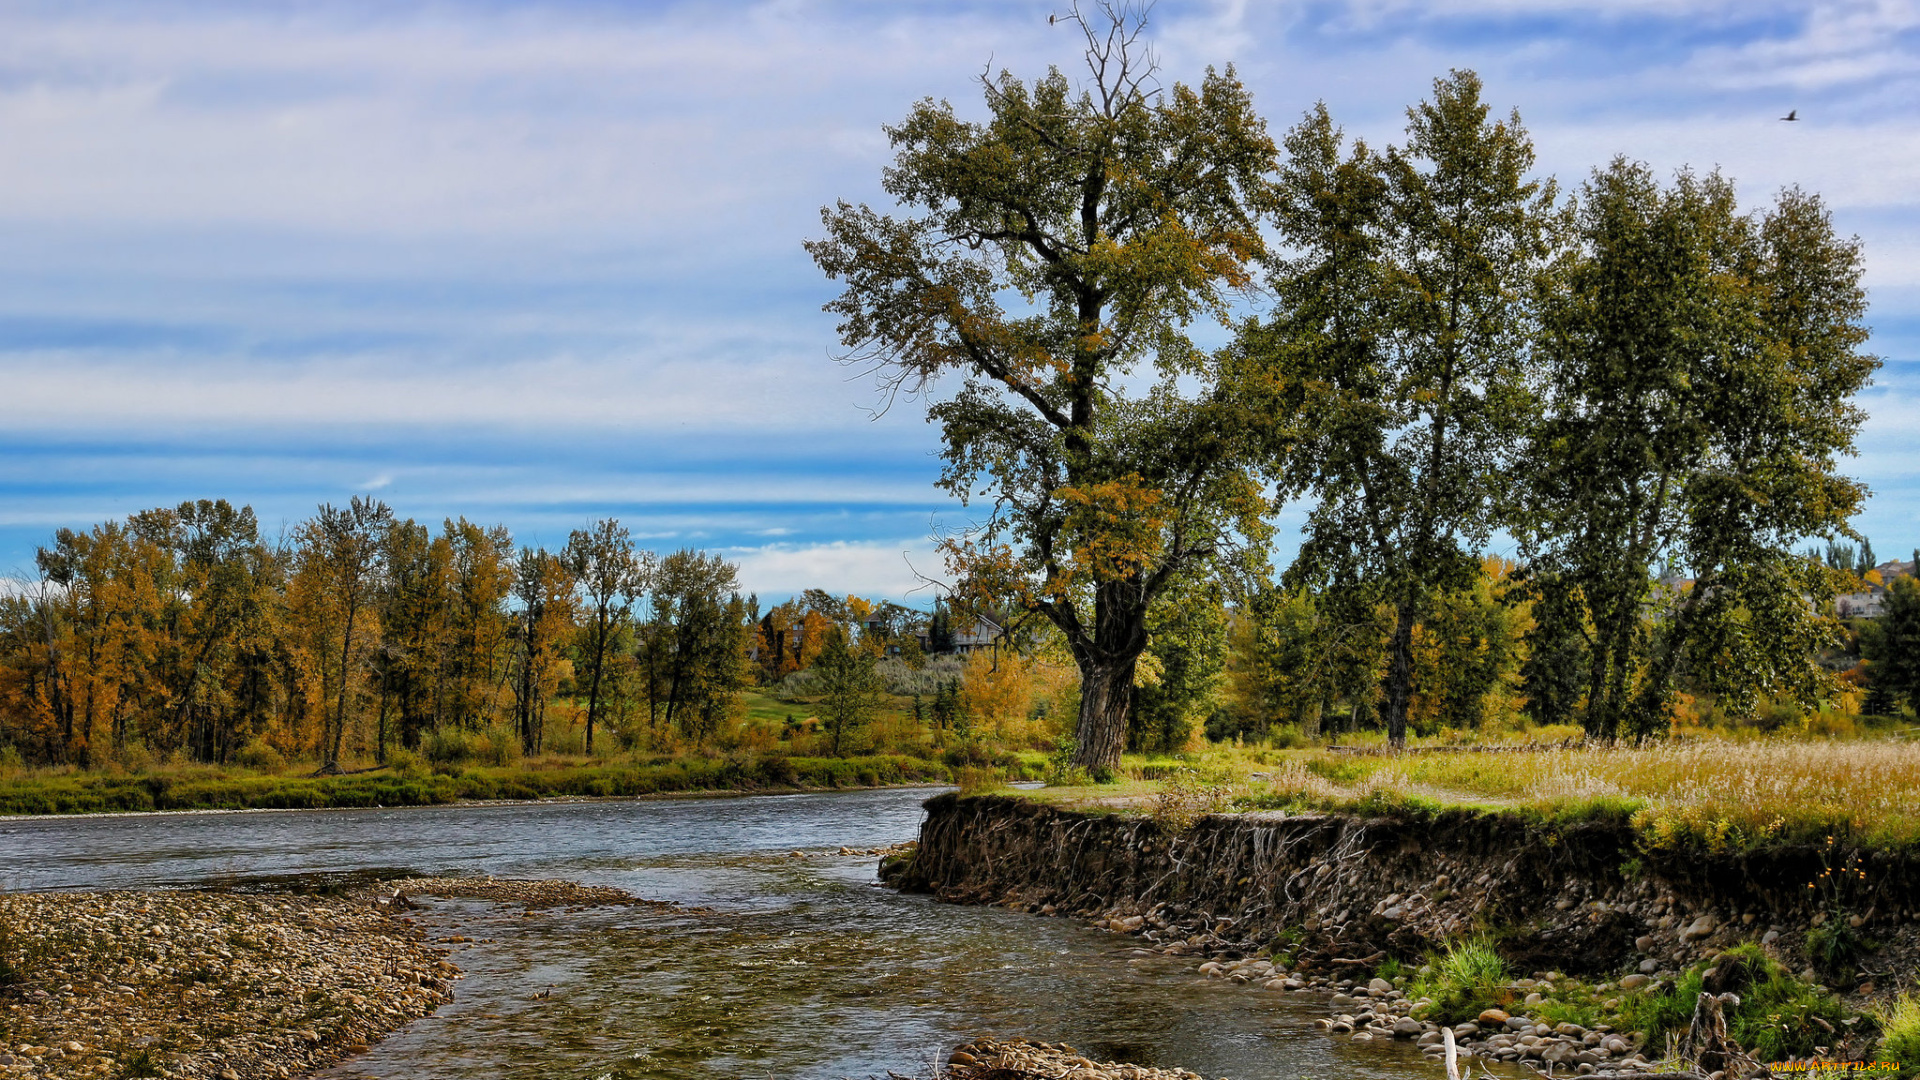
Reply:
x=1900, y=1031
x=1708, y=794
x=212, y=788
x=1466, y=980
x=1776, y=1017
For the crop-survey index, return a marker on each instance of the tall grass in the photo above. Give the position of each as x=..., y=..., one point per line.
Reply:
x=1717, y=794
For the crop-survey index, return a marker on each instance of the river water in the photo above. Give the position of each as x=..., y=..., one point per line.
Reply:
x=798, y=966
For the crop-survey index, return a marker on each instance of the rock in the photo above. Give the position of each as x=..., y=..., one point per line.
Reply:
x=1342, y=1001
x=1635, y=982
x=1465, y=1029
x=1856, y=921
x=1699, y=928
x=1340, y=1026
x=1394, y=913
x=1519, y=1024
x=1407, y=1028
x=1131, y=924
x=1430, y=1038
x=1643, y=943
x=1535, y=998
x=1570, y=1030
x=1380, y=986
x=1493, y=1016
x=961, y=1057
x=1647, y=967
x=1770, y=937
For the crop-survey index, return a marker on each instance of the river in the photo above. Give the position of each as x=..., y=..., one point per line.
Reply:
x=798, y=966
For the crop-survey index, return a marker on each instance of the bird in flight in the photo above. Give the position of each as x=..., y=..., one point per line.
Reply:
x=1792, y=114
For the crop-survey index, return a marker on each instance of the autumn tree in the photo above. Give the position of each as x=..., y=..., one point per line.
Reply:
x=342, y=548
x=1053, y=256
x=544, y=607
x=1401, y=325
x=613, y=576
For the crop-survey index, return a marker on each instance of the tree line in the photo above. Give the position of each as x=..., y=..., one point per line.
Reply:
x=1646, y=387
x=184, y=631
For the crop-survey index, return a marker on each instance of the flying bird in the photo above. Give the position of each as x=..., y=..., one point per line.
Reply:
x=1792, y=114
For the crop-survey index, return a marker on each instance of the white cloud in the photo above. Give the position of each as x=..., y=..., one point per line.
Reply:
x=873, y=569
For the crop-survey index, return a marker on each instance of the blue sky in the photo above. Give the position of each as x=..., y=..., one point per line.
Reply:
x=539, y=264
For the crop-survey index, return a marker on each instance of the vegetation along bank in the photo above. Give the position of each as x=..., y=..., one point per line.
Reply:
x=1573, y=942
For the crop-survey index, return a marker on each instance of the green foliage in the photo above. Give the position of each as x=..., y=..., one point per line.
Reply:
x=1404, y=320
x=1891, y=643
x=1834, y=945
x=850, y=692
x=1462, y=982
x=1176, y=685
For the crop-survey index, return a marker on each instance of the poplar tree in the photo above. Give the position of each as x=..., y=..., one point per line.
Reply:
x=1402, y=316
x=1703, y=365
x=613, y=576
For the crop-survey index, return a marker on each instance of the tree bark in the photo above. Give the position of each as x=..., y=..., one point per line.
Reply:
x=1106, y=694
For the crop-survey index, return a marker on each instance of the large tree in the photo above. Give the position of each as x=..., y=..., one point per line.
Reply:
x=1401, y=320
x=1702, y=368
x=1053, y=255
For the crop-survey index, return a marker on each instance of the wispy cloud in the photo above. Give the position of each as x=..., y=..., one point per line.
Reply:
x=541, y=263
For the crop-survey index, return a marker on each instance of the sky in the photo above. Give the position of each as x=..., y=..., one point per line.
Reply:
x=539, y=264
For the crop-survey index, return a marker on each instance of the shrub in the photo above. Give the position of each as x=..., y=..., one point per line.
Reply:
x=446, y=746
x=260, y=757
x=1466, y=980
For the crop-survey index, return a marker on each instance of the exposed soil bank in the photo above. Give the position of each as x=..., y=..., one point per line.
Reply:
x=1340, y=893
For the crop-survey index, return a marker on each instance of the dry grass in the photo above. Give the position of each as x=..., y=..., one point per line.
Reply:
x=1714, y=793
x=1702, y=793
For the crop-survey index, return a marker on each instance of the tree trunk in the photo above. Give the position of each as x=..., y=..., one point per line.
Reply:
x=1400, y=677
x=1106, y=694
x=599, y=662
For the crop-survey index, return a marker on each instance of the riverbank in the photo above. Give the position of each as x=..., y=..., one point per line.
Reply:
x=222, y=985
x=203, y=984
x=1579, y=922
x=212, y=788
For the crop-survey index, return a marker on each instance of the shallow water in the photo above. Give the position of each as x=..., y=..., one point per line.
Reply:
x=800, y=968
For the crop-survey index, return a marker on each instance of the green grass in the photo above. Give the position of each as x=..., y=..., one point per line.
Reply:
x=1900, y=1030
x=1466, y=980
x=215, y=789
x=1775, y=1018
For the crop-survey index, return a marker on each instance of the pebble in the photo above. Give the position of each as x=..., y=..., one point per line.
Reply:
x=295, y=979
x=1024, y=1059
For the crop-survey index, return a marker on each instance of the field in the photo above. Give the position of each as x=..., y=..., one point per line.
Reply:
x=1717, y=794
